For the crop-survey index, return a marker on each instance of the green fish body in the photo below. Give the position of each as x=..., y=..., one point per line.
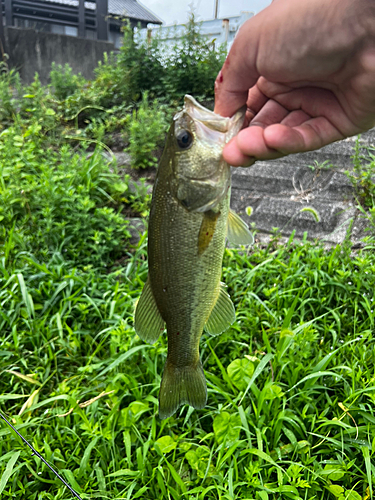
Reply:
x=188, y=226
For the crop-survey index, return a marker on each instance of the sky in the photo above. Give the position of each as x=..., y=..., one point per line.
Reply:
x=172, y=11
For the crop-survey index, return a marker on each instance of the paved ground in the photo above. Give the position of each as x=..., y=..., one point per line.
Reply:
x=293, y=192
x=280, y=191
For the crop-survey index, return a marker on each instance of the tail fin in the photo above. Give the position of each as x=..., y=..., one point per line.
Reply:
x=180, y=385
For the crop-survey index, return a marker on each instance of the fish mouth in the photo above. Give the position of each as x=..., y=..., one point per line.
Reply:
x=211, y=125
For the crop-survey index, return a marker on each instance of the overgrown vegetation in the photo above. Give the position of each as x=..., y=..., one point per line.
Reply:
x=290, y=411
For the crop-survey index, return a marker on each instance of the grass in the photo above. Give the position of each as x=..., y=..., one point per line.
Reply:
x=291, y=396
x=291, y=385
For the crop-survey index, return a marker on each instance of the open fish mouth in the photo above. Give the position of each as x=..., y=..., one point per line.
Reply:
x=211, y=126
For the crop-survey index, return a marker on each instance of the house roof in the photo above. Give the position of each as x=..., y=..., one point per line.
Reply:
x=132, y=9
x=124, y=8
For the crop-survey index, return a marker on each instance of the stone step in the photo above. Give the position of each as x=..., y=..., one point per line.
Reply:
x=269, y=213
x=293, y=181
x=280, y=191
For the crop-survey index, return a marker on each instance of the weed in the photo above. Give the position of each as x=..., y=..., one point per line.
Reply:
x=362, y=176
x=64, y=82
x=147, y=129
x=290, y=408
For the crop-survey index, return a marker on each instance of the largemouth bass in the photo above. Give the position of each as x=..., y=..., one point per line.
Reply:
x=189, y=221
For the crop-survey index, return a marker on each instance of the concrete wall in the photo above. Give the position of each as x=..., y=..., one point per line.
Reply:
x=33, y=51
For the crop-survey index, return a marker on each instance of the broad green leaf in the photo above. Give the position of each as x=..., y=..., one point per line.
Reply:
x=262, y=495
x=227, y=427
x=352, y=495
x=273, y=392
x=333, y=473
x=165, y=444
x=240, y=371
x=199, y=459
x=335, y=489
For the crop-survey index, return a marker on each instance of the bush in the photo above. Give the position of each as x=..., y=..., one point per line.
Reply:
x=192, y=65
x=147, y=128
x=59, y=202
x=64, y=82
x=10, y=92
x=145, y=66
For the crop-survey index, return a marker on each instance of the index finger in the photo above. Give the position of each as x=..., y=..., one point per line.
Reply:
x=238, y=73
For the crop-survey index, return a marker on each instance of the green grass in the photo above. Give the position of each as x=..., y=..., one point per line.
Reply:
x=291, y=390
x=291, y=395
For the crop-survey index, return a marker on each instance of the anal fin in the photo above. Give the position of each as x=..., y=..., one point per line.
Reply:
x=223, y=313
x=148, y=322
x=238, y=231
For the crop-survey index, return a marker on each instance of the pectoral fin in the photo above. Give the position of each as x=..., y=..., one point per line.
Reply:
x=223, y=313
x=207, y=230
x=148, y=322
x=238, y=231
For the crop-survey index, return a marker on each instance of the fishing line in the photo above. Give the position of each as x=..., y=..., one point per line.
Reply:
x=41, y=458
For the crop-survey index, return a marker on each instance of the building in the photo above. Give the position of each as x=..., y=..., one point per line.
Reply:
x=219, y=31
x=100, y=19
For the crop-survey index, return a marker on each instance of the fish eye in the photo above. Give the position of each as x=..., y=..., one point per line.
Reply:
x=184, y=139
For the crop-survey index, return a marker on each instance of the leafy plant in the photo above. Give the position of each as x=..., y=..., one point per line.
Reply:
x=192, y=65
x=291, y=407
x=61, y=202
x=64, y=82
x=362, y=176
x=10, y=92
x=147, y=128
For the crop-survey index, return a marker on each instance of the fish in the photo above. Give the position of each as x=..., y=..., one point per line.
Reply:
x=189, y=221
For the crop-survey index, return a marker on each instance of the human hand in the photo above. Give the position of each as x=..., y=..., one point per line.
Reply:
x=306, y=70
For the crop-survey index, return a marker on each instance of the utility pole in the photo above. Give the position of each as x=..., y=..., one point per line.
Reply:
x=216, y=8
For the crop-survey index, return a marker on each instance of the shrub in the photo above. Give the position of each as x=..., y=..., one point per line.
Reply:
x=64, y=82
x=147, y=128
x=193, y=64
x=59, y=202
x=10, y=91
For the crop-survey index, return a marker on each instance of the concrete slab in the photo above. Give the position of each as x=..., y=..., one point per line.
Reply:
x=290, y=192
